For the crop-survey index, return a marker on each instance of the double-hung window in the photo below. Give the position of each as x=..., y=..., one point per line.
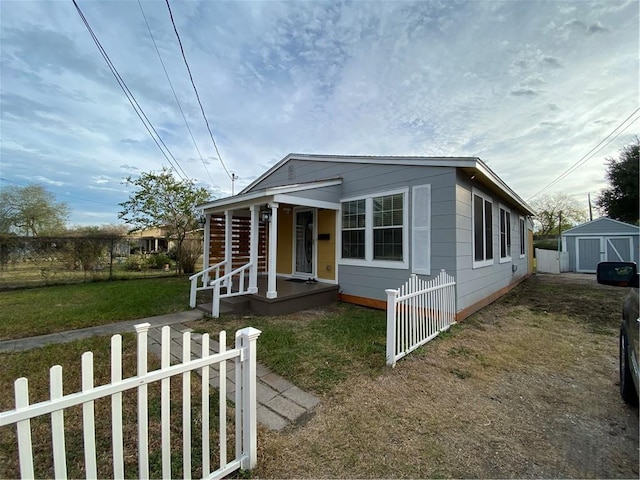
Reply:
x=505, y=234
x=523, y=233
x=375, y=230
x=353, y=229
x=482, y=214
x=387, y=227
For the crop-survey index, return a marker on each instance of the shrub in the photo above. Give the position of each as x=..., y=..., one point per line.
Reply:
x=158, y=260
x=136, y=262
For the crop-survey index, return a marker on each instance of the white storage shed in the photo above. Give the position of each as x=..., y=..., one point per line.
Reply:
x=601, y=240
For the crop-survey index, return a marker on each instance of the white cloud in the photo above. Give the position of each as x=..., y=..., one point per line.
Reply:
x=528, y=89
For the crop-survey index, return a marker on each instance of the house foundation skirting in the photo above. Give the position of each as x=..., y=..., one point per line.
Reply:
x=364, y=301
x=462, y=314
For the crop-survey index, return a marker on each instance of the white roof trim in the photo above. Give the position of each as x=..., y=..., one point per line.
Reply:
x=602, y=234
x=601, y=219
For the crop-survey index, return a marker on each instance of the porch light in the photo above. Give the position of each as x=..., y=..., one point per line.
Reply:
x=202, y=221
x=265, y=215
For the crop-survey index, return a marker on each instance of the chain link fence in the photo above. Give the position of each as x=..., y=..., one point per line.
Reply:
x=35, y=261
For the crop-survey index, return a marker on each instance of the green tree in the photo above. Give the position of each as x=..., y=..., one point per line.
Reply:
x=620, y=200
x=549, y=210
x=160, y=200
x=31, y=211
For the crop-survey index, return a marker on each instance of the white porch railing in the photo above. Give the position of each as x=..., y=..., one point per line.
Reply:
x=417, y=312
x=217, y=282
x=244, y=356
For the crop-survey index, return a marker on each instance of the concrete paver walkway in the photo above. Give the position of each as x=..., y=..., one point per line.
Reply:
x=279, y=401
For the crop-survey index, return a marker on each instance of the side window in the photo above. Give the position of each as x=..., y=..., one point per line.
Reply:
x=505, y=235
x=523, y=236
x=482, y=230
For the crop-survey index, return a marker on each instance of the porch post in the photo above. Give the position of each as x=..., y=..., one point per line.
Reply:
x=253, y=250
x=273, y=243
x=207, y=246
x=228, y=247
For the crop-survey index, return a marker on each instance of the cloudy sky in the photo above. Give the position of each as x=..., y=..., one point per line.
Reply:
x=528, y=86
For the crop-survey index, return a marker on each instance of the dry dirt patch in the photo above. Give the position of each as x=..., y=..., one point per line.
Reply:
x=525, y=388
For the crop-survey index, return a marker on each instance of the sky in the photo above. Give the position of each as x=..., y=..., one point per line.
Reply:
x=530, y=87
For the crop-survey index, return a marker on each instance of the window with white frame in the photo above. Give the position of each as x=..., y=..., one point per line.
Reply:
x=523, y=233
x=482, y=218
x=505, y=234
x=353, y=229
x=374, y=229
x=387, y=227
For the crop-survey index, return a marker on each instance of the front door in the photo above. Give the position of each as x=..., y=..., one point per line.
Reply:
x=304, y=251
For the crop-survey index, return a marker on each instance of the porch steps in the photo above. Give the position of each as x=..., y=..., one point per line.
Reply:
x=316, y=296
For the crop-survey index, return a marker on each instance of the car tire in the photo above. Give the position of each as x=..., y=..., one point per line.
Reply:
x=627, y=387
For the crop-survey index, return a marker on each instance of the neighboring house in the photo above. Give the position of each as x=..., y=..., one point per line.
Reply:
x=601, y=240
x=152, y=240
x=366, y=223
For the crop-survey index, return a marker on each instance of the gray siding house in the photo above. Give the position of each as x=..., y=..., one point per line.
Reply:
x=601, y=240
x=365, y=224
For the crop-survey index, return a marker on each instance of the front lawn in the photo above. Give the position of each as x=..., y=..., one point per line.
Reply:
x=525, y=388
x=43, y=310
x=34, y=365
x=315, y=349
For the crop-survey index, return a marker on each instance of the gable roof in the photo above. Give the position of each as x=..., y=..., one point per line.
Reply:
x=245, y=198
x=603, y=225
x=472, y=165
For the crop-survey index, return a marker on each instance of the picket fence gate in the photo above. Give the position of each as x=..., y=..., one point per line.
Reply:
x=244, y=356
x=417, y=312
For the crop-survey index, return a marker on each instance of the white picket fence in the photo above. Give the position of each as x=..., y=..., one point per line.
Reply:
x=244, y=356
x=417, y=312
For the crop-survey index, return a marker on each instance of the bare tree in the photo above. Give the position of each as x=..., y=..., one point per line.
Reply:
x=556, y=208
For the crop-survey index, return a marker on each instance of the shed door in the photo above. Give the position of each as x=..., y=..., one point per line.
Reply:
x=619, y=249
x=588, y=254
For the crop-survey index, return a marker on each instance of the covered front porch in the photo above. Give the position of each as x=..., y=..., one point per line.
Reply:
x=273, y=246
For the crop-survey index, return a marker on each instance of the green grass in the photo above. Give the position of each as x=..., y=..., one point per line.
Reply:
x=43, y=310
x=34, y=365
x=37, y=274
x=316, y=351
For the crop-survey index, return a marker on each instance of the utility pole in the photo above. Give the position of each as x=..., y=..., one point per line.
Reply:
x=234, y=177
x=559, y=230
x=590, y=211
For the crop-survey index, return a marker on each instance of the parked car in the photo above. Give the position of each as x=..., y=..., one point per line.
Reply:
x=625, y=274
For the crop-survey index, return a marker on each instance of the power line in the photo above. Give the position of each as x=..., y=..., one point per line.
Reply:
x=174, y=92
x=62, y=194
x=591, y=153
x=175, y=29
x=132, y=100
